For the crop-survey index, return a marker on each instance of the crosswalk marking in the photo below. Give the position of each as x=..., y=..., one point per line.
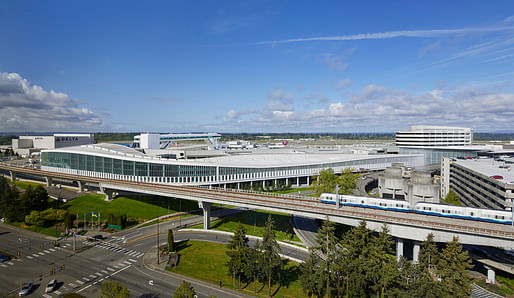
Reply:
x=29, y=257
x=72, y=285
x=86, y=279
x=128, y=263
x=41, y=254
x=121, y=264
x=51, y=249
x=132, y=260
x=47, y=296
x=140, y=255
x=99, y=274
x=46, y=251
x=115, y=266
x=10, y=263
x=79, y=282
x=92, y=276
x=5, y=266
x=35, y=255
x=110, y=269
x=57, y=292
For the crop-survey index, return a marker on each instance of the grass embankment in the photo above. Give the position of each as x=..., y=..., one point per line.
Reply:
x=50, y=231
x=137, y=208
x=292, y=190
x=25, y=184
x=283, y=225
x=206, y=261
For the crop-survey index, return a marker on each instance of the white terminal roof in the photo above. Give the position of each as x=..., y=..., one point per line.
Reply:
x=262, y=159
x=489, y=167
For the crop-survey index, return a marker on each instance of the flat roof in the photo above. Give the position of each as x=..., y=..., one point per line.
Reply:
x=259, y=159
x=489, y=167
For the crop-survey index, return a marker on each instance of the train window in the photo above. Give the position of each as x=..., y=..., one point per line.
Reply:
x=471, y=213
x=503, y=217
x=424, y=208
x=496, y=217
x=362, y=202
x=429, y=208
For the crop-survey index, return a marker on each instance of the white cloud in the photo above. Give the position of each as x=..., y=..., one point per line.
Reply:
x=335, y=62
x=508, y=20
x=379, y=108
x=343, y=84
x=394, y=34
x=25, y=107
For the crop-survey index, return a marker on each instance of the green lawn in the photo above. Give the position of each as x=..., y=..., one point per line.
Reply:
x=206, y=261
x=294, y=190
x=283, y=225
x=136, y=207
x=25, y=184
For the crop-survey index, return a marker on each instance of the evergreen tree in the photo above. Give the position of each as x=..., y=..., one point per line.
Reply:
x=238, y=254
x=357, y=243
x=271, y=263
x=171, y=242
x=312, y=282
x=327, y=181
x=427, y=285
x=383, y=266
x=185, y=290
x=326, y=246
x=252, y=272
x=453, y=266
x=405, y=281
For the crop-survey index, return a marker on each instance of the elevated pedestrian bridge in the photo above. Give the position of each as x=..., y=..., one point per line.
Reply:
x=402, y=225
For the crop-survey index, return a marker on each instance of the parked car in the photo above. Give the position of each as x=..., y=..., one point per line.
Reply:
x=51, y=286
x=95, y=238
x=497, y=177
x=4, y=258
x=26, y=289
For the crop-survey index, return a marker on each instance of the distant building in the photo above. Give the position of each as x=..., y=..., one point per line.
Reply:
x=482, y=182
x=26, y=145
x=436, y=142
x=400, y=183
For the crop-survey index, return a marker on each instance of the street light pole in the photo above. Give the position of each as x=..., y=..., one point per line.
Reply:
x=158, y=241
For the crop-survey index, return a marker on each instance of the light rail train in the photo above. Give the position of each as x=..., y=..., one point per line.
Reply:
x=497, y=216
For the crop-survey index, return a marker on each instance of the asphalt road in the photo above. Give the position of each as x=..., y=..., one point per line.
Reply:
x=119, y=258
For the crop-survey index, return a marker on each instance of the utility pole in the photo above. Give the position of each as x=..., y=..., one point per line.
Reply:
x=158, y=241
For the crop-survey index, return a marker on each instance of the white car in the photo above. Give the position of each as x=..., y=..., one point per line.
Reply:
x=51, y=286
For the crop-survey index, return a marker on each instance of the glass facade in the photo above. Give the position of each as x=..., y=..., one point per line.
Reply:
x=158, y=171
x=435, y=156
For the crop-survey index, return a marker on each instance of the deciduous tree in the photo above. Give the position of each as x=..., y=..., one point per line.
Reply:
x=113, y=289
x=185, y=290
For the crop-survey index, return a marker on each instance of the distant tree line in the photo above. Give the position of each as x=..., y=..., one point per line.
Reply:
x=114, y=136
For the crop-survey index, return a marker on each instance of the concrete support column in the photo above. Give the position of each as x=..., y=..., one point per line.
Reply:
x=251, y=185
x=399, y=248
x=287, y=182
x=225, y=186
x=263, y=184
x=308, y=180
x=81, y=186
x=206, y=207
x=415, y=252
x=297, y=181
x=275, y=183
x=491, y=275
x=210, y=186
x=13, y=176
x=48, y=181
x=238, y=186
x=108, y=195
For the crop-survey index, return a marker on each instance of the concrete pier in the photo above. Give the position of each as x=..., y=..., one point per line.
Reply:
x=206, y=207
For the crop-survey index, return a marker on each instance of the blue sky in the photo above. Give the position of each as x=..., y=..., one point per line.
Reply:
x=255, y=66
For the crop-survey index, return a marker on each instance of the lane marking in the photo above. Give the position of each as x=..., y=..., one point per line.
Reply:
x=84, y=288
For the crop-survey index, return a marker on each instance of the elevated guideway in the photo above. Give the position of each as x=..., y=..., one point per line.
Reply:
x=402, y=225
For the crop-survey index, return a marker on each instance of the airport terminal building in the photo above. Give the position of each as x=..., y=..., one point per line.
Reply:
x=292, y=167
x=26, y=145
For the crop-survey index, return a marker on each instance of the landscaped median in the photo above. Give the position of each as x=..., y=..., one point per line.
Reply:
x=206, y=261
